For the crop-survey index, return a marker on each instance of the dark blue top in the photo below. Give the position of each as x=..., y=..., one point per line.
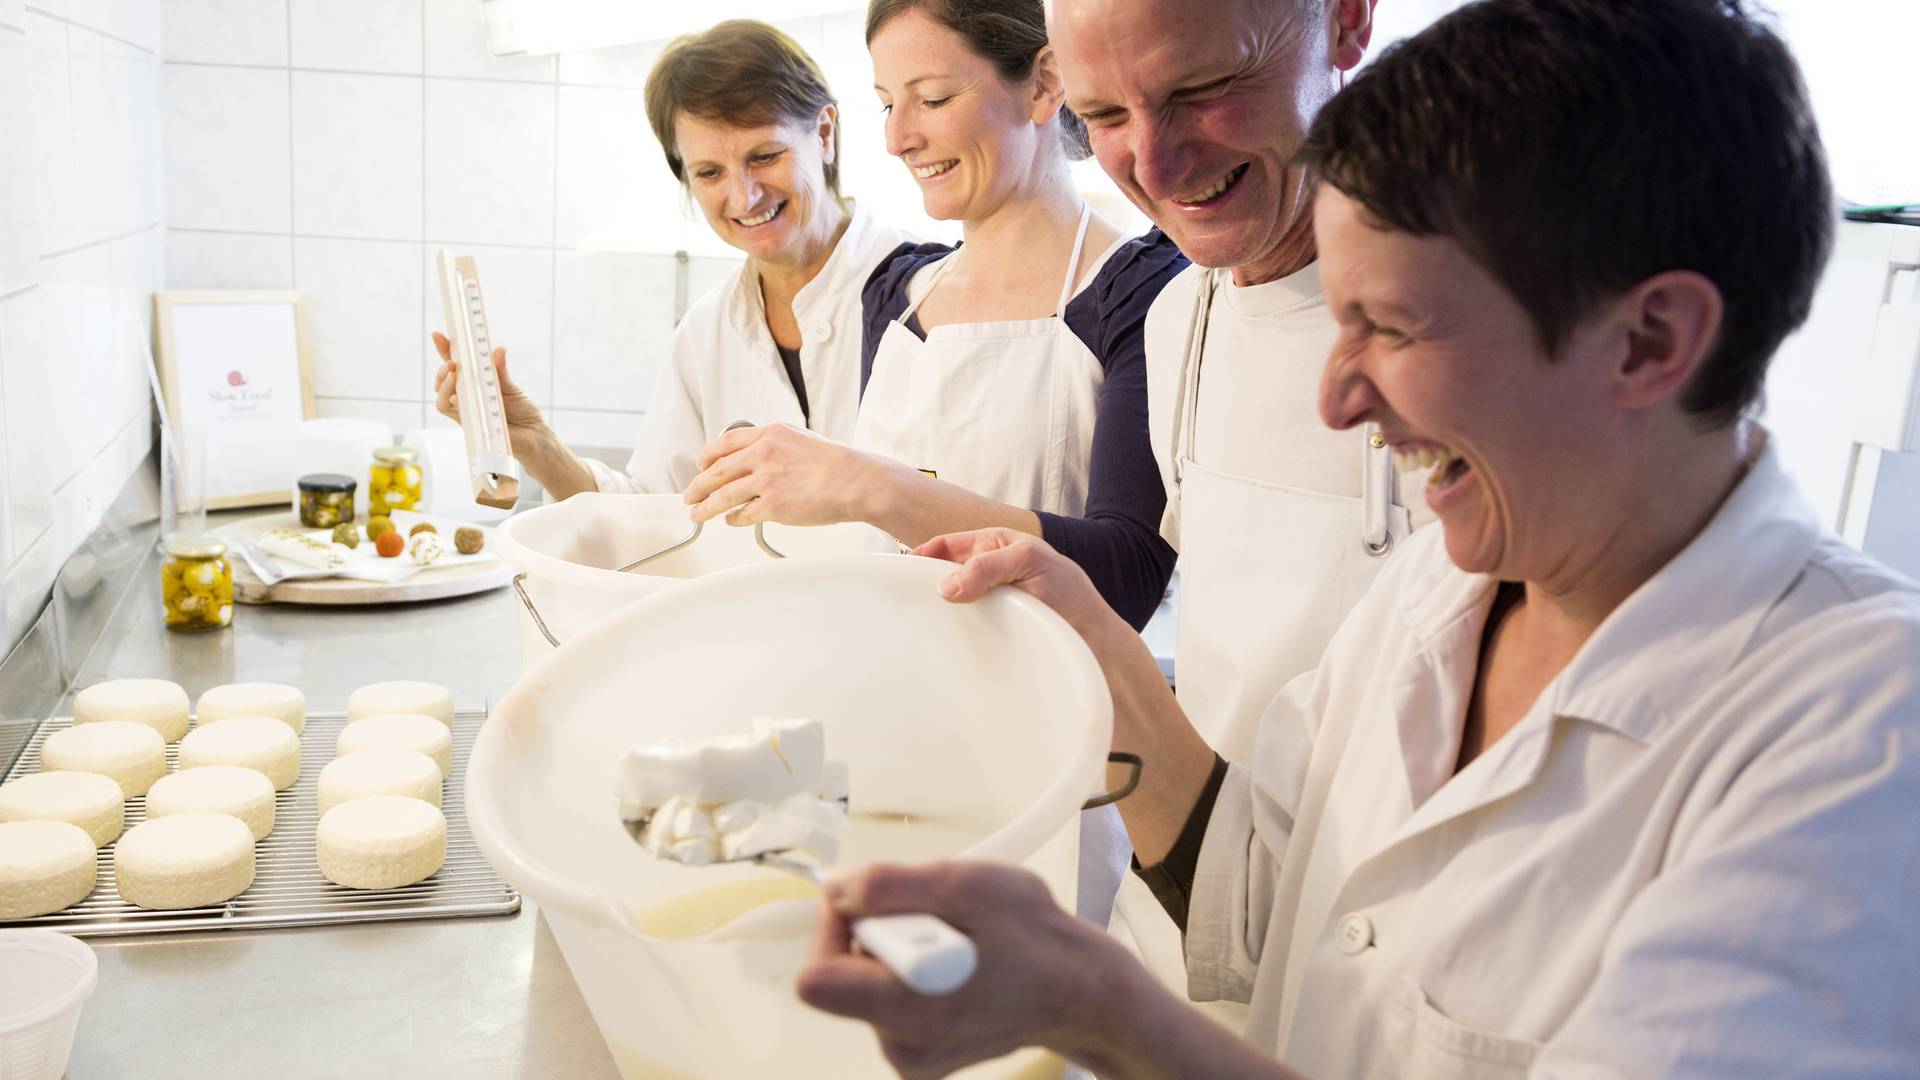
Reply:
x=1118, y=540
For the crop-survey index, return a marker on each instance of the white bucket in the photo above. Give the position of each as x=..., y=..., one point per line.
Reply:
x=568, y=554
x=986, y=723
x=45, y=980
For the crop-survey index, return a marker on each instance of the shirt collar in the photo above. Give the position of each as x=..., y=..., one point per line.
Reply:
x=1679, y=631
x=746, y=308
x=1298, y=289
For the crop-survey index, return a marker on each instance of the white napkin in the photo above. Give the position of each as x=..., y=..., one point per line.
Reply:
x=311, y=551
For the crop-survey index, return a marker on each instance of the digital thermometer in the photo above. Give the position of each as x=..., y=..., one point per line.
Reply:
x=483, y=415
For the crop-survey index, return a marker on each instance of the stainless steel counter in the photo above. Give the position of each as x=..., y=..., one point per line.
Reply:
x=478, y=997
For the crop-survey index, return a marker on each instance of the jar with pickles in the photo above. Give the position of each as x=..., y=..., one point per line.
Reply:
x=395, y=481
x=326, y=500
x=196, y=583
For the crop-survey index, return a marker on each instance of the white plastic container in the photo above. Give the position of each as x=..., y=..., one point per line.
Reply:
x=45, y=980
x=569, y=554
x=969, y=730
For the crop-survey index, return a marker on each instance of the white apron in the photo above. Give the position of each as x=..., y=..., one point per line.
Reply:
x=1267, y=573
x=1003, y=409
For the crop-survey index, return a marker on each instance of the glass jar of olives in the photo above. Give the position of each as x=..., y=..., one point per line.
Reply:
x=196, y=583
x=395, y=481
x=326, y=500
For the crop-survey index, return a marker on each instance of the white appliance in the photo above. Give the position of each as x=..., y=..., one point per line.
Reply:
x=1843, y=394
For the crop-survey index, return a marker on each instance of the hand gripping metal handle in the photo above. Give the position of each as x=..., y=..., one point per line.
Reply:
x=759, y=533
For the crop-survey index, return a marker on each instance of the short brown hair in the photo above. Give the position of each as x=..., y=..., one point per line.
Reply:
x=1008, y=33
x=1575, y=148
x=740, y=72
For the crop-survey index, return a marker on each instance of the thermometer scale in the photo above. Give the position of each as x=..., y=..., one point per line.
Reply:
x=483, y=416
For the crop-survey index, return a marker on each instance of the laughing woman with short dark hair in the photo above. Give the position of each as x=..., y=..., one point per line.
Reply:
x=1614, y=774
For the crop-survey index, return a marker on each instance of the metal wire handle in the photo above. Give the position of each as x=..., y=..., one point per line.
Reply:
x=1118, y=757
x=759, y=531
x=533, y=611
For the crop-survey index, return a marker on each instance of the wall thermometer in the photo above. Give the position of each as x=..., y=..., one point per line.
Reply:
x=483, y=416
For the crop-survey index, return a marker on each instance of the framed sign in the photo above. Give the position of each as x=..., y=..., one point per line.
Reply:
x=233, y=367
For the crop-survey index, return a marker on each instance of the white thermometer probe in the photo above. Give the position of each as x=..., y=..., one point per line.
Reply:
x=483, y=415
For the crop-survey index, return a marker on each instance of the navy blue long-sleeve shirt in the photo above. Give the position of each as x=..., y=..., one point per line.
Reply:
x=1117, y=541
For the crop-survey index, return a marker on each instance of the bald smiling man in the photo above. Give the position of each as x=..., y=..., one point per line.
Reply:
x=1197, y=111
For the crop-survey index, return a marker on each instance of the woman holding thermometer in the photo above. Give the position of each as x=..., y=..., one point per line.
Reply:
x=751, y=130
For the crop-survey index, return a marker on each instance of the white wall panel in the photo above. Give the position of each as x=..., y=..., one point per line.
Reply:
x=613, y=322
x=226, y=31
x=201, y=260
x=489, y=163
x=229, y=165
x=363, y=316
x=358, y=35
x=356, y=156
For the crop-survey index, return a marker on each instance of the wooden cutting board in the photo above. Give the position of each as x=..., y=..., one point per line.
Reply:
x=433, y=583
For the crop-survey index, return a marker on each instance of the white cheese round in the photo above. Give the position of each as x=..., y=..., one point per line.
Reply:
x=252, y=742
x=381, y=698
x=219, y=789
x=379, y=772
x=400, y=731
x=184, y=861
x=89, y=800
x=45, y=866
x=381, y=842
x=284, y=703
x=133, y=755
x=157, y=703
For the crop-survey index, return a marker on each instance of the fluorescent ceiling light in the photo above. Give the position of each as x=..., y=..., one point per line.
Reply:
x=539, y=27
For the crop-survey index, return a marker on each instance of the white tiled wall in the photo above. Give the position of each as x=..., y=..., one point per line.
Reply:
x=80, y=255
x=336, y=145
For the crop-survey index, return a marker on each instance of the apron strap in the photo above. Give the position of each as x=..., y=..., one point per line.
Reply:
x=1073, y=264
x=1066, y=287
x=1186, y=403
x=939, y=268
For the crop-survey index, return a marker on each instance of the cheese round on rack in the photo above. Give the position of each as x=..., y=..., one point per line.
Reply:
x=379, y=772
x=219, y=789
x=284, y=703
x=184, y=861
x=400, y=731
x=252, y=742
x=157, y=703
x=89, y=800
x=381, y=698
x=45, y=866
x=132, y=755
x=381, y=842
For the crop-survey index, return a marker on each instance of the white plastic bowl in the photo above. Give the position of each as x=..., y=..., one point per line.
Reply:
x=987, y=723
x=45, y=980
x=569, y=554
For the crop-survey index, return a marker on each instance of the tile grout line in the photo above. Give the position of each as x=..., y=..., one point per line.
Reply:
x=293, y=255
x=118, y=433
x=441, y=241
x=91, y=244
x=396, y=74
x=83, y=26
x=21, y=291
x=425, y=164
x=553, y=258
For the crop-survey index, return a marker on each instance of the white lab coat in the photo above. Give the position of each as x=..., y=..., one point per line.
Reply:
x=1698, y=854
x=724, y=366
